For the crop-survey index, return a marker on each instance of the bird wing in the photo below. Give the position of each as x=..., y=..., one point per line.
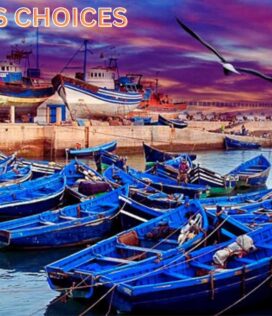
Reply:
x=196, y=36
x=254, y=72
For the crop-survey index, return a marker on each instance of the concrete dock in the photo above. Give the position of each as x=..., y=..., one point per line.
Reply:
x=30, y=140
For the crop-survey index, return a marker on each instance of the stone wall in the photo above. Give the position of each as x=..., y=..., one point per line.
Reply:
x=31, y=140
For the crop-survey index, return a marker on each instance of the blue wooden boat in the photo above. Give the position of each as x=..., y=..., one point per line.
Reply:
x=153, y=154
x=219, y=184
x=14, y=175
x=176, y=123
x=169, y=186
x=140, y=191
x=254, y=221
x=74, y=225
x=238, y=200
x=90, y=151
x=134, y=212
x=148, y=242
x=138, y=120
x=6, y=161
x=195, y=284
x=39, y=168
x=83, y=182
x=156, y=199
x=232, y=144
x=259, y=207
x=117, y=177
x=104, y=159
x=252, y=173
x=32, y=197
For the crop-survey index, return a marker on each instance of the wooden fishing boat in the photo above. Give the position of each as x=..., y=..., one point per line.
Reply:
x=74, y=225
x=141, y=191
x=238, y=200
x=117, y=177
x=104, y=159
x=155, y=239
x=14, y=175
x=32, y=197
x=156, y=199
x=153, y=155
x=195, y=284
x=172, y=122
x=232, y=144
x=83, y=182
x=169, y=186
x=134, y=211
x=139, y=120
x=252, y=173
x=90, y=151
x=39, y=168
x=219, y=185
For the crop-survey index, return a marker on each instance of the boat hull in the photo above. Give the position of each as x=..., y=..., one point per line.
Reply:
x=85, y=100
x=234, y=144
x=75, y=235
x=31, y=207
x=209, y=301
x=25, y=99
x=90, y=152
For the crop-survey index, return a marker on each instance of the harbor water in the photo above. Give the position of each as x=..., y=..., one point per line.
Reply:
x=24, y=289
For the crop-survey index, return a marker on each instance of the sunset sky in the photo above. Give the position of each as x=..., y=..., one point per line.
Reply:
x=154, y=43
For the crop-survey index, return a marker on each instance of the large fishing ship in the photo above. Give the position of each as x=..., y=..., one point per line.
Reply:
x=25, y=93
x=98, y=92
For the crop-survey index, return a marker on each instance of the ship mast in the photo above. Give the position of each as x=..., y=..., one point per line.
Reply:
x=85, y=59
x=37, y=49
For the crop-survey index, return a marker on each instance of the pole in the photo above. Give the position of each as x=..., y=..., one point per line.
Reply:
x=85, y=59
x=37, y=49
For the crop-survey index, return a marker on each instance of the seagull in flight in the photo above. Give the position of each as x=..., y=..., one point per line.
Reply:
x=228, y=67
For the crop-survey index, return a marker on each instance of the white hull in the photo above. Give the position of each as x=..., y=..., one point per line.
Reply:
x=83, y=105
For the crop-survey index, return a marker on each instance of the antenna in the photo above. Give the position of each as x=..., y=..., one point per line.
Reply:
x=157, y=82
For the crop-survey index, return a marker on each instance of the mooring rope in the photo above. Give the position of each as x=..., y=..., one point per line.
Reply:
x=99, y=300
x=244, y=297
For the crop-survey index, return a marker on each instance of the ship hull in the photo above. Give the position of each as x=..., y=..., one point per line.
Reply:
x=25, y=99
x=85, y=100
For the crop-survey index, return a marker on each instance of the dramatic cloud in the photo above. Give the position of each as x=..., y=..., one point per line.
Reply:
x=153, y=44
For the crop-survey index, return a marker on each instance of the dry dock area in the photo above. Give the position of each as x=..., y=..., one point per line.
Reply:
x=31, y=140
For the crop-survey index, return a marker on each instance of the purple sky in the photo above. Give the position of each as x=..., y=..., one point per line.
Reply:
x=154, y=43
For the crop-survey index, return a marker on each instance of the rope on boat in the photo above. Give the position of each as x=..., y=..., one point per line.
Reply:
x=62, y=297
x=78, y=286
x=110, y=305
x=185, y=254
x=244, y=297
x=99, y=300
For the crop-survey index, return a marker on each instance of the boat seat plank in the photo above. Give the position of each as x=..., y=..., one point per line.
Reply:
x=112, y=259
x=67, y=217
x=177, y=275
x=47, y=222
x=244, y=260
x=170, y=241
x=264, y=245
x=201, y=265
x=244, y=173
x=138, y=248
